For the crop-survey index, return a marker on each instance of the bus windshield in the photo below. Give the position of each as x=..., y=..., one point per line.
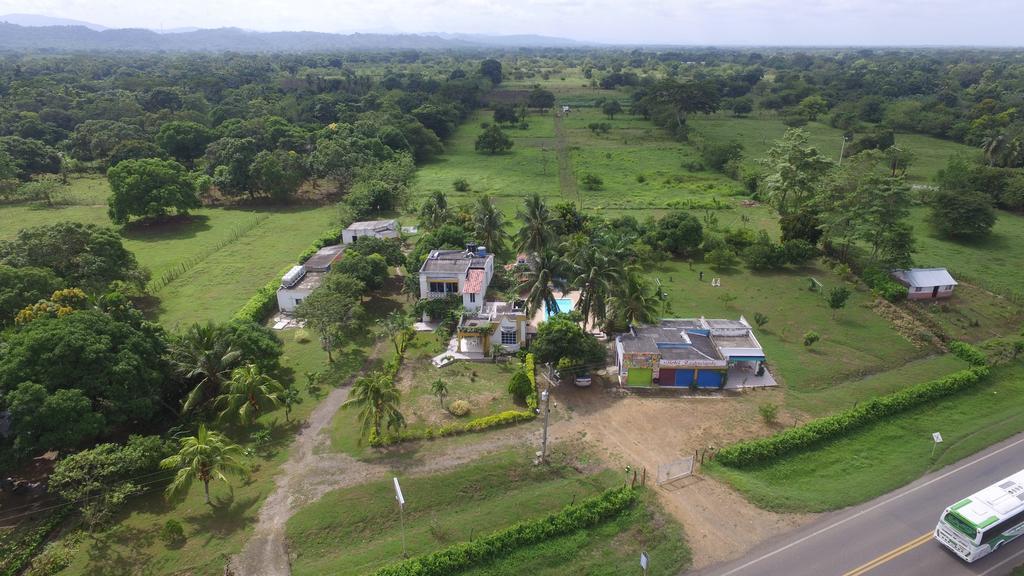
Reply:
x=961, y=525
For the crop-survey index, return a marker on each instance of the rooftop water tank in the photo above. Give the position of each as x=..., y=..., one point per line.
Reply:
x=293, y=277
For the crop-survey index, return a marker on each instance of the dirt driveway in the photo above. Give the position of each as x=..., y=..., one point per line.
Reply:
x=645, y=431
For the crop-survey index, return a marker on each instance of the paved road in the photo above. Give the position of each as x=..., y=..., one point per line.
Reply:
x=891, y=535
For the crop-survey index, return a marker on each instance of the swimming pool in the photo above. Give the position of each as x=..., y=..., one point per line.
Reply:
x=564, y=305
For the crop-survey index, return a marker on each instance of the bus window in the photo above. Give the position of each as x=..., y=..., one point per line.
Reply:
x=961, y=525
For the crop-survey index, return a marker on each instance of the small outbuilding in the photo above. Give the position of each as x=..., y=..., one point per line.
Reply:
x=926, y=283
x=375, y=228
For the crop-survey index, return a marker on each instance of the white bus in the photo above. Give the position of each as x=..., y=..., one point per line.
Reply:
x=982, y=522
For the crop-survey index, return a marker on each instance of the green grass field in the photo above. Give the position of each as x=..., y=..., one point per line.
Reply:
x=889, y=454
x=234, y=251
x=856, y=342
x=508, y=177
x=357, y=530
x=758, y=132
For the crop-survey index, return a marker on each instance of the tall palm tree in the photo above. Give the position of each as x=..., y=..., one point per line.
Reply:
x=542, y=279
x=377, y=400
x=206, y=456
x=595, y=268
x=536, y=235
x=204, y=352
x=396, y=326
x=248, y=394
x=489, y=225
x=632, y=301
x=993, y=145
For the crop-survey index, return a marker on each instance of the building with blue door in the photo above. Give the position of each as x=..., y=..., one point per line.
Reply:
x=687, y=353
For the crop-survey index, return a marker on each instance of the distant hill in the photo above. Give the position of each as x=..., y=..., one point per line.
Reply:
x=40, y=20
x=83, y=37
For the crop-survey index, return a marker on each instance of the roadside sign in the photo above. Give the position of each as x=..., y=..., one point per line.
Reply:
x=937, y=437
x=398, y=493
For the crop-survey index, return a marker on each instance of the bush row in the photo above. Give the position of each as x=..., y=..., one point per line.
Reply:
x=530, y=367
x=475, y=425
x=262, y=303
x=968, y=353
x=753, y=452
x=459, y=557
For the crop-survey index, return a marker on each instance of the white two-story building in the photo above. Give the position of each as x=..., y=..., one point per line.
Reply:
x=464, y=273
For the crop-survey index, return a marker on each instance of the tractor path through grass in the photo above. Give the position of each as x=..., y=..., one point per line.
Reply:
x=566, y=177
x=312, y=471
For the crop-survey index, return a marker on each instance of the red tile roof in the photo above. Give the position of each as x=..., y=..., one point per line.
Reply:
x=474, y=282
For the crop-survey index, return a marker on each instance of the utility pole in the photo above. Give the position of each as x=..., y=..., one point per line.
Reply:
x=546, y=397
x=842, y=150
x=401, y=514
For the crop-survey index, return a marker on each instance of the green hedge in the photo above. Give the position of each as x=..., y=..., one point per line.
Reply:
x=968, y=353
x=464, y=555
x=475, y=425
x=329, y=238
x=753, y=452
x=530, y=366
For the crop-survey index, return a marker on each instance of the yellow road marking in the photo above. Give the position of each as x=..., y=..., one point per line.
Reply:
x=890, y=555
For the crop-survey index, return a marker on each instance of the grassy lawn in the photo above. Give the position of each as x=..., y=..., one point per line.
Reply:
x=847, y=394
x=508, y=177
x=132, y=545
x=889, y=454
x=855, y=343
x=635, y=149
x=357, y=530
x=758, y=132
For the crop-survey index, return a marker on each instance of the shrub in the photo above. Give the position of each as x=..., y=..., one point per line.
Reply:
x=968, y=353
x=261, y=304
x=172, y=534
x=461, y=185
x=798, y=251
x=592, y=182
x=301, y=336
x=883, y=286
x=476, y=425
x=760, y=319
x=810, y=338
x=519, y=386
x=530, y=369
x=753, y=452
x=459, y=557
x=459, y=408
x=769, y=412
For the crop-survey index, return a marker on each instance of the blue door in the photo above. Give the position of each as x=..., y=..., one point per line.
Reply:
x=709, y=379
x=684, y=377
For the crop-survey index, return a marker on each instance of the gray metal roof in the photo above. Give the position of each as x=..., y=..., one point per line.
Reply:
x=321, y=261
x=925, y=277
x=372, y=225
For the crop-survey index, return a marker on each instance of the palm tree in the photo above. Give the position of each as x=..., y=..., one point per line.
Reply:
x=596, y=269
x=536, y=235
x=489, y=225
x=632, y=300
x=993, y=145
x=434, y=212
x=203, y=352
x=542, y=279
x=377, y=400
x=440, y=389
x=396, y=326
x=206, y=456
x=248, y=394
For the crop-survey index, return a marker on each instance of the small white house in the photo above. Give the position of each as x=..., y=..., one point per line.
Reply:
x=375, y=228
x=465, y=273
x=926, y=283
x=296, y=286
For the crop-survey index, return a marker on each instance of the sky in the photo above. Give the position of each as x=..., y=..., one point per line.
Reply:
x=702, y=22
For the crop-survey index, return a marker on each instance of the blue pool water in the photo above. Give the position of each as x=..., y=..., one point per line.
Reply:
x=564, y=305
